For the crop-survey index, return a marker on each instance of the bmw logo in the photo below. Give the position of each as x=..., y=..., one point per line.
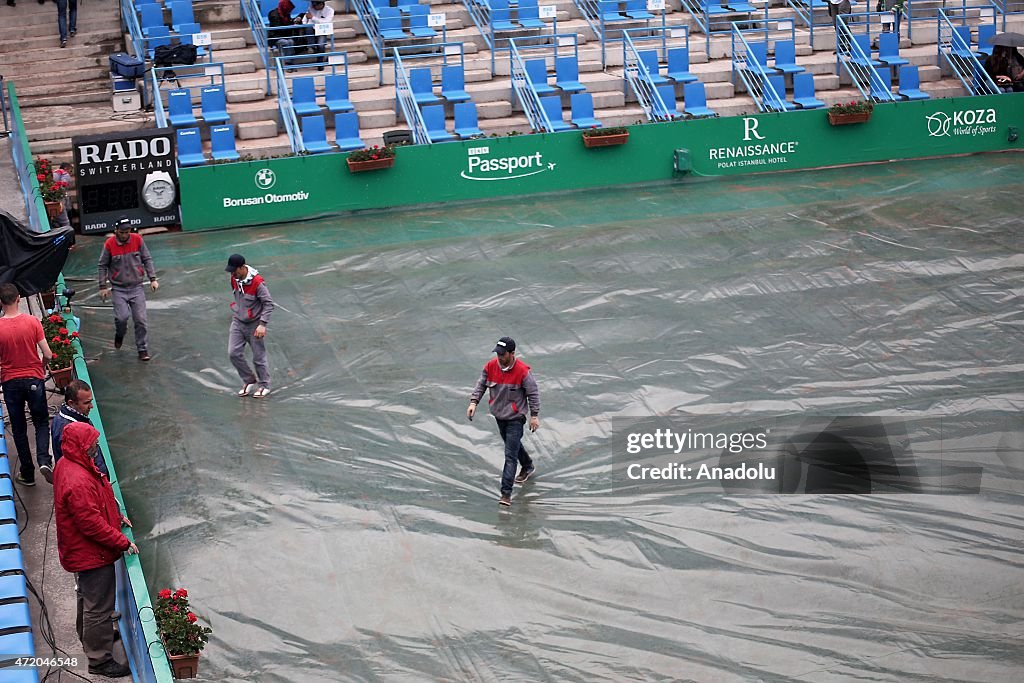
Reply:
x=265, y=179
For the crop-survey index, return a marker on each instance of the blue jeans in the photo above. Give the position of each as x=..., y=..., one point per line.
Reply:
x=512, y=434
x=66, y=20
x=32, y=392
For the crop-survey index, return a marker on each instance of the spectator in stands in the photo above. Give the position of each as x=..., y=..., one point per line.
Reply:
x=67, y=19
x=252, y=308
x=22, y=375
x=283, y=39
x=63, y=175
x=513, y=390
x=89, y=543
x=123, y=262
x=76, y=408
x=1006, y=67
x=894, y=6
x=319, y=13
x=837, y=7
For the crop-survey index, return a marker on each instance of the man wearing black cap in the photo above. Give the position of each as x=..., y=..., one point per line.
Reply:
x=513, y=391
x=252, y=308
x=124, y=261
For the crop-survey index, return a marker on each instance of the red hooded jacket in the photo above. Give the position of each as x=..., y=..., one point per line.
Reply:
x=88, y=518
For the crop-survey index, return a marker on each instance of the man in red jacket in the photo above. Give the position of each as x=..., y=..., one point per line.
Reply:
x=123, y=263
x=89, y=542
x=513, y=391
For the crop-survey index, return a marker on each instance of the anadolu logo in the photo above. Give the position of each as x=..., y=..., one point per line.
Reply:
x=265, y=179
x=503, y=168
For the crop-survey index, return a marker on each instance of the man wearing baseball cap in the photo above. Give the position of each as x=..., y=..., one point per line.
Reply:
x=513, y=393
x=252, y=308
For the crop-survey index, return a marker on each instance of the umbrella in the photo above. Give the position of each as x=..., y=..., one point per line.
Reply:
x=1008, y=39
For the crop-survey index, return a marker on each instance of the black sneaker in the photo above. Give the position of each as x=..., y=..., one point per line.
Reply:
x=110, y=669
x=47, y=473
x=72, y=32
x=144, y=356
x=505, y=500
x=63, y=43
x=118, y=340
x=525, y=474
x=21, y=479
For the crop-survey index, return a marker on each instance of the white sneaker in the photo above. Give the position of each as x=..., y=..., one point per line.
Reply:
x=262, y=392
x=246, y=388
x=47, y=473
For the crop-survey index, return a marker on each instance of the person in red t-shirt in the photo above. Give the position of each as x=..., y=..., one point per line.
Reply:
x=22, y=380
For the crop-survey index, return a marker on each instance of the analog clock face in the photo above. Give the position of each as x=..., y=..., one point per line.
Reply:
x=158, y=193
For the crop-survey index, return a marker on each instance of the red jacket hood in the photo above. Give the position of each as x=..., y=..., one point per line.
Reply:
x=75, y=442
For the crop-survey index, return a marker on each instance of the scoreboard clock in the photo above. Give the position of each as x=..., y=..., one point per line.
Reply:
x=126, y=175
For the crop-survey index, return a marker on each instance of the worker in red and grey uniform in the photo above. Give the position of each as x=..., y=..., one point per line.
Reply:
x=513, y=393
x=252, y=308
x=124, y=262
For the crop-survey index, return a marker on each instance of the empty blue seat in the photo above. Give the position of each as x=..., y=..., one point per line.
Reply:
x=422, y=86
x=179, y=108
x=714, y=7
x=222, y=143
x=679, y=65
x=8, y=513
x=785, y=57
x=567, y=75
x=187, y=36
x=738, y=5
x=862, y=42
x=15, y=615
x=336, y=93
x=433, y=119
x=190, y=147
x=6, y=487
x=537, y=73
x=777, y=101
x=453, y=83
x=346, y=131
x=552, y=106
x=961, y=42
x=581, y=108
x=214, y=104
x=757, y=56
x=910, y=84
x=13, y=586
x=16, y=646
x=314, y=135
x=649, y=58
x=881, y=85
x=9, y=531
x=637, y=9
x=695, y=100
x=408, y=5
x=528, y=15
x=418, y=15
x=181, y=13
x=985, y=34
x=466, y=124
x=152, y=17
x=803, y=92
x=889, y=50
x=304, y=96
x=610, y=10
x=501, y=16
x=390, y=24
x=665, y=105
x=158, y=35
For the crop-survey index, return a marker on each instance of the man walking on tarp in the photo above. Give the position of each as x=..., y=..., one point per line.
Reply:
x=512, y=390
x=22, y=375
x=124, y=261
x=252, y=308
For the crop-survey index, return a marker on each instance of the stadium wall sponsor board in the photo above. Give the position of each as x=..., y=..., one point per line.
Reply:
x=297, y=188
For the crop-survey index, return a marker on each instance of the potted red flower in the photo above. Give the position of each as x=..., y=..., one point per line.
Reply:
x=62, y=346
x=371, y=159
x=605, y=137
x=182, y=634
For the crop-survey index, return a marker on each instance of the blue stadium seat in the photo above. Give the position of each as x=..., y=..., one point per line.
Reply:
x=159, y=35
x=910, y=84
x=336, y=94
x=408, y=5
x=433, y=119
x=214, y=105
x=7, y=511
x=190, y=147
x=738, y=5
x=314, y=135
x=179, y=108
x=757, y=55
x=16, y=645
x=453, y=84
x=863, y=41
x=552, y=106
x=422, y=85
x=466, y=123
x=679, y=65
x=222, y=143
x=15, y=615
x=528, y=15
x=889, y=50
x=181, y=13
x=785, y=57
x=9, y=530
x=418, y=27
x=187, y=36
x=961, y=42
x=803, y=92
x=567, y=74
x=713, y=7
x=985, y=33
x=649, y=58
x=695, y=100
x=501, y=16
x=667, y=107
x=13, y=586
x=390, y=24
x=152, y=16
x=881, y=91
x=346, y=131
x=581, y=108
x=6, y=487
x=777, y=103
x=304, y=96
x=537, y=73
x=637, y=9
x=610, y=11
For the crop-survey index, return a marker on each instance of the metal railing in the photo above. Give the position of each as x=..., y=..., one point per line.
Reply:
x=610, y=32
x=23, y=163
x=289, y=119
x=498, y=40
x=922, y=16
x=957, y=54
x=717, y=24
x=523, y=91
x=806, y=11
x=211, y=73
x=751, y=72
x=638, y=79
x=407, y=103
x=857, y=64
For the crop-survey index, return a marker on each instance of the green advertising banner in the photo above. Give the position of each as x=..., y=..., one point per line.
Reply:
x=297, y=188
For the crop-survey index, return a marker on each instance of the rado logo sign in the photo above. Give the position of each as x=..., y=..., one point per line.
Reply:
x=124, y=151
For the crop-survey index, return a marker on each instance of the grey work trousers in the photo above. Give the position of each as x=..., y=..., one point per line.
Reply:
x=238, y=337
x=96, y=591
x=130, y=303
